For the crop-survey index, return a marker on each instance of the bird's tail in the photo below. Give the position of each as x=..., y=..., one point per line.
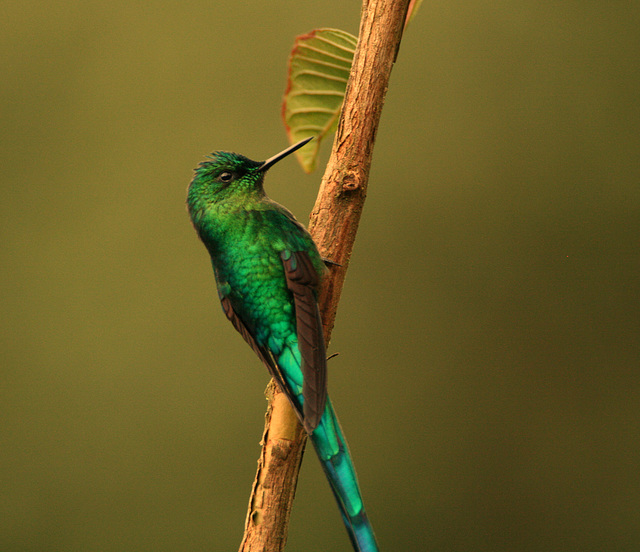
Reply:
x=333, y=452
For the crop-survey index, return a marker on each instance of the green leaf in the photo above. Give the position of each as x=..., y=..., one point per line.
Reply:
x=413, y=9
x=319, y=67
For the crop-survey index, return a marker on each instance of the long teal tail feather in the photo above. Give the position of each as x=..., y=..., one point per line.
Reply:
x=334, y=456
x=333, y=452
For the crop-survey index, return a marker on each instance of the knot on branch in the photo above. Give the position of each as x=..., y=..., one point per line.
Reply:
x=350, y=182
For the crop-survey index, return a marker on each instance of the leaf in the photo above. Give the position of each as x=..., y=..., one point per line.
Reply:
x=319, y=67
x=412, y=10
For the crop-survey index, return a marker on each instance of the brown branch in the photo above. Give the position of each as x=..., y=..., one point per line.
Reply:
x=333, y=225
x=274, y=487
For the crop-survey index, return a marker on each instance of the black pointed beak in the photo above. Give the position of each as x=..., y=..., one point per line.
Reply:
x=273, y=160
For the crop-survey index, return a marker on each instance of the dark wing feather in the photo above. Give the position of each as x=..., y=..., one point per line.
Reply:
x=263, y=353
x=303, y=281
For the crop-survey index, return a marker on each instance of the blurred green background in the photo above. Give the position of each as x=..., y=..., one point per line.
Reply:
x=488, y=331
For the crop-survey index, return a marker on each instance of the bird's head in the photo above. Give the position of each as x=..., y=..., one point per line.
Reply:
x=229, y=177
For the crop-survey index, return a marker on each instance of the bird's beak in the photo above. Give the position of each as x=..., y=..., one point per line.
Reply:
x=273, y=160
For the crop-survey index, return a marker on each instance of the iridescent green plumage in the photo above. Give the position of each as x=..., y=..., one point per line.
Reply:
x=268, y=271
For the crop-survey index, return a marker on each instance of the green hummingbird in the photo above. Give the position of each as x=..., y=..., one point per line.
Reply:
x=268, y=271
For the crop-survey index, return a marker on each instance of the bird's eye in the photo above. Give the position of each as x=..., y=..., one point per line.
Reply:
x=225, y=177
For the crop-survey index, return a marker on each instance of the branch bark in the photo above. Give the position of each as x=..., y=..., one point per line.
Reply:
x=333, y=225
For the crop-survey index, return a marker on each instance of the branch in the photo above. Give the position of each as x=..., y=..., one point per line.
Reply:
x=333, y=225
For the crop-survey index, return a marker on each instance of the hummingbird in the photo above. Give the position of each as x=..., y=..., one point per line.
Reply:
x=268, y=272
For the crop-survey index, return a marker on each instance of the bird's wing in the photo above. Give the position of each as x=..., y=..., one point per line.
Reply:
x=263, y=353
x=303, y=281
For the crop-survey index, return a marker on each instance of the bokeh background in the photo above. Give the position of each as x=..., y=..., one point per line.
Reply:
x=488, y=331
